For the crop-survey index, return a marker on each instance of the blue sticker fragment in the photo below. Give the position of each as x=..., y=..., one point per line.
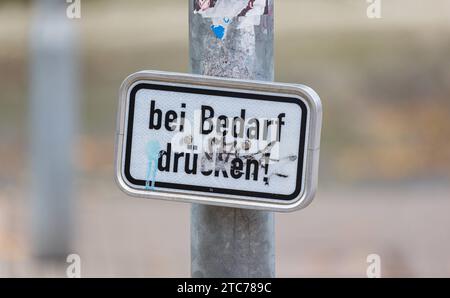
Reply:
x=153, y=149
x=219, y=31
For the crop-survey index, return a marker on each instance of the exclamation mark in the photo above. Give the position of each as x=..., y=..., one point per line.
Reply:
x=266, y=168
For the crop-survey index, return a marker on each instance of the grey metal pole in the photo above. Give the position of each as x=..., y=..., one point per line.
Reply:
x=53, y=114
x=230, y=39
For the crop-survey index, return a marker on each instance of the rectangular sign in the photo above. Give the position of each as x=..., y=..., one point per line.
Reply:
x=218, y=141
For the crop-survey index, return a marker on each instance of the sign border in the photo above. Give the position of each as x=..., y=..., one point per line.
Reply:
x=307, y=99
x=223, y=93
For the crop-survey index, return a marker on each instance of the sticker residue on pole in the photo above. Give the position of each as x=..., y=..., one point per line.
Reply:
x=247, y=13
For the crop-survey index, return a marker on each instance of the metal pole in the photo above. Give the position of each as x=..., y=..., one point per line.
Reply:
x=232, y=38
x=53, y=115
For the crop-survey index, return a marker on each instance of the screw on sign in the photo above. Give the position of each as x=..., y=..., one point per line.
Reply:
x=218, y=141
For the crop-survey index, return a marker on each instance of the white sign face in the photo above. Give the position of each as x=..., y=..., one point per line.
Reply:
x=216, y=141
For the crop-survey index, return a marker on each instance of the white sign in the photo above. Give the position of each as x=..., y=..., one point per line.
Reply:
x=218, y=141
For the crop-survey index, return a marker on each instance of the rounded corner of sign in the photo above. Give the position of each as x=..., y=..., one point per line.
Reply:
x=123, y=184
x=130, y=80
x=311, y=95
x=301, y=202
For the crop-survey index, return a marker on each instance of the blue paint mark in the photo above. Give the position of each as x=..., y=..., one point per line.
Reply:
x=153, y=149
x=218, y=30
x=226, y=20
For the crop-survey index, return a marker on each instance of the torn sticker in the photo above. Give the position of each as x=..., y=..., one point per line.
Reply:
x=219, y=27
x=247, y=12
x=219, y=31
x=230, y=9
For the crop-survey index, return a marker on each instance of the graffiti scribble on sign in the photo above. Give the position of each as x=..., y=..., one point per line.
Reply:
x=228, y=160
x=153, y=154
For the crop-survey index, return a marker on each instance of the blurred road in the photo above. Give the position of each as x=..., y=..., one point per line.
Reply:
x=129, y=237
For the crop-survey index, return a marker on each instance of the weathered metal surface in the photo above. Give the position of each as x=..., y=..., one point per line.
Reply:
x=230, y=242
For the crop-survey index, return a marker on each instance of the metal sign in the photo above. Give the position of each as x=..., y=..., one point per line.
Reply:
x=217, y=141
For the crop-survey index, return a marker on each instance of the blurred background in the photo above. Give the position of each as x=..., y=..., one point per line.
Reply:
x=385, y=153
